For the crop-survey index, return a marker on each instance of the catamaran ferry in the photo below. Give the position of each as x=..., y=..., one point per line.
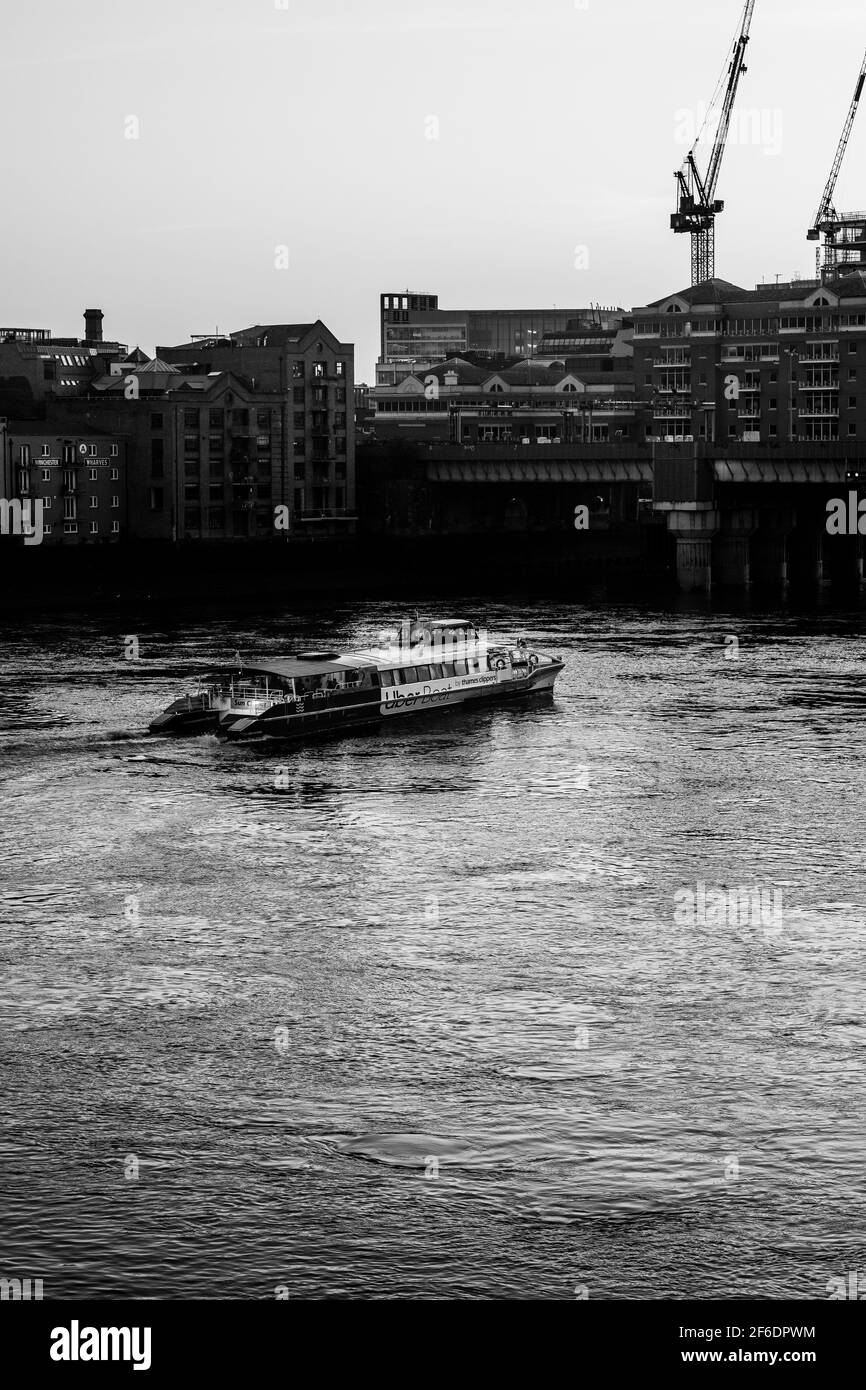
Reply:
x=418, y=668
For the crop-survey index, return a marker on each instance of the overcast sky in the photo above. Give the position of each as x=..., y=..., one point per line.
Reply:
x=462, y=148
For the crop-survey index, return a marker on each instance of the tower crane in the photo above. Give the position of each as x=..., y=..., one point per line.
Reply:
x=826, y=219
x=698, y=205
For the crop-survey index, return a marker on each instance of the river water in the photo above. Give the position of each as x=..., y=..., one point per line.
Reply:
x=415, y=1014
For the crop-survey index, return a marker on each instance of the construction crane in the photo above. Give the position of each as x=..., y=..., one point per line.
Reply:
x=698, y=204
x=826, y=218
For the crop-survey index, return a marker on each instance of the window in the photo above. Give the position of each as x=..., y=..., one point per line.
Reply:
x=298, y=395
x=191, y=444
x=70, y=510
x=460, y=668
x=70, y=528
x=852, y=402
x=215, y=419
x=298, y=448
x=46, y=475
x=217, y=468
x=852, y=373
x=299, y=419
x=112, y=449
x=156, y=458
x=46, y=502
x=297, y=371
x=341, y=368
x=93, y=474
x=215, y=492
x=299, y=499
x=241, y=417
x=46, y=528
x=46, y=450
x=91, y=449
x=69, y=453
x=319, y=369
x=115, y=474
x=24, y=454
x=115, y=502
x=94, y=528
x=190, y=419
x=423, y=673
x=408, y=675
x=387, y=677
x=115, y=528
x=263, y=419
x=774, y=403
x=156, y=499
x=94, y=503
x=263, y=441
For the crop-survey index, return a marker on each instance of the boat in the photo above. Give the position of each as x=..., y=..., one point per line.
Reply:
x=418, y=668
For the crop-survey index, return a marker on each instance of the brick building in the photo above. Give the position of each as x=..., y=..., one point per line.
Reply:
x=80, y=477
x=307, y=371
x=781, y=363
x=36, y=367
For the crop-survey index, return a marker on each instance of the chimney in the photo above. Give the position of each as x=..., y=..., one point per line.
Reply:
x=93, y=325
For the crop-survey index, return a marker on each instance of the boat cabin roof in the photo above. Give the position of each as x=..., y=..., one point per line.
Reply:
x=297, y=666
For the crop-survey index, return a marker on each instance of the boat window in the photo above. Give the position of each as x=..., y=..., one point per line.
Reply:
x=387, y=677
x=448, y=668
x=436, y=671
x=408, y=675
x=423, y=673
x=460, y=668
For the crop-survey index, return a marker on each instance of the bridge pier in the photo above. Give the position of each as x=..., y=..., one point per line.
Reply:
x=820, y=565
x=694, y=528
x=771, y=548
x=732, y=549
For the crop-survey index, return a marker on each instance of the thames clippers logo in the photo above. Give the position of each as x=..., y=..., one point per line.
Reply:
x=22, y=519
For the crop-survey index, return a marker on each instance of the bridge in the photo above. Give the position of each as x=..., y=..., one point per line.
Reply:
x=735, y=515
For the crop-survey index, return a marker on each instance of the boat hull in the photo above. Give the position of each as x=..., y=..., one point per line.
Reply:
x=189, y=716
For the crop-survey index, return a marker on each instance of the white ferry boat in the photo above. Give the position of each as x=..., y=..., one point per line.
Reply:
x=418, y=668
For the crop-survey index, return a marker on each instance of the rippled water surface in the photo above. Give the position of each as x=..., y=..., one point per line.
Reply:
x=416, y=1018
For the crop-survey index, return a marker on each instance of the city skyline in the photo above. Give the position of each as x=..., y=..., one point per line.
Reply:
x=465, y=176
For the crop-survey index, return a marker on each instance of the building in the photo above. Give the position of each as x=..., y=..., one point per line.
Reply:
x=415, y=332
x=80, y=478
x=532, y=402
x=206, y=455
x=36, y=367
x=780, y=363
x=306, y=375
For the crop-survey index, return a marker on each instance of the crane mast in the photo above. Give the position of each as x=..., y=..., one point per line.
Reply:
x=826, y=219
x=697, y=202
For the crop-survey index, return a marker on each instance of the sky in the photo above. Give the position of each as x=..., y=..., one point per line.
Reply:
x=188, y=165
